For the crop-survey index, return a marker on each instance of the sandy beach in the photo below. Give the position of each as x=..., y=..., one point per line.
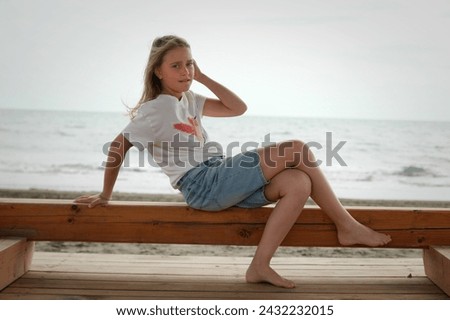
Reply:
x=162, y=249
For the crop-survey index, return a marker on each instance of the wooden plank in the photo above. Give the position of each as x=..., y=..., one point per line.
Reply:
x=437, y=266
x=175, y=289
x=238, y=281
x=227, y=296
x=15, y=259
x=224, y=267
x=335, y=285
x=200, y=272
x=219, y=271
x=61, y=220
x=87, y=258
x=51, y=281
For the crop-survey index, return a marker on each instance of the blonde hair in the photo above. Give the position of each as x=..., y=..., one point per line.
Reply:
x=152, y=84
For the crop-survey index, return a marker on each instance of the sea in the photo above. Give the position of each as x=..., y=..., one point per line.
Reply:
x=363, y=159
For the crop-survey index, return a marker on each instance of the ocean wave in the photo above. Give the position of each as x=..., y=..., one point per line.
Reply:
x=366, y=178
x=68, y=168
x=64, y=133
x=75, y=166
x=413, y=171
x=77, y=126
x=282, y=133
x=133, y=169
x=52, y=169
x=426, y=183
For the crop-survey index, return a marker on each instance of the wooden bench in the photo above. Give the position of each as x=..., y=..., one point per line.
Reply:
x=23, y=221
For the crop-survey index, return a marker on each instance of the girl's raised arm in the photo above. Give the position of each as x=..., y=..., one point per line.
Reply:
x=117, y=151
x=228, y=103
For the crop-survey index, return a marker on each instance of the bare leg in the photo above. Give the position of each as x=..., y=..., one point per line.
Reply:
x=295, y=154
x=294, y=177
x=293, y=188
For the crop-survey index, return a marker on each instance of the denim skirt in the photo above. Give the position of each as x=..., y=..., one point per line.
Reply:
x=220, y=183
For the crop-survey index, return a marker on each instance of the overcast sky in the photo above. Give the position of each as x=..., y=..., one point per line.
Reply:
x=380, y=59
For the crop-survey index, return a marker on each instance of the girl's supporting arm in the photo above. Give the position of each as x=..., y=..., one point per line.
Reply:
x=117, y=151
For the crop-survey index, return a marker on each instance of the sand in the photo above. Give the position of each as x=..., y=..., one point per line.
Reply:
x=162, y=249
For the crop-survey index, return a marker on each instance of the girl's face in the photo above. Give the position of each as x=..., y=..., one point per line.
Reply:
x=176, y=71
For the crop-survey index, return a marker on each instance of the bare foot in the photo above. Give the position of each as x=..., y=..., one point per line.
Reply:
x=258, y=274
x=360, y=234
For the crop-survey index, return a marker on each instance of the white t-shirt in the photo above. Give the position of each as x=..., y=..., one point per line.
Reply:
x=172, y=132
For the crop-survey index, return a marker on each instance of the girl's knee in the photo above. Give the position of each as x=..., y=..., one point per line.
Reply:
x=291, y=151
x=292, y=146
x=302, y=155
x=292, y=181
x=301, y=182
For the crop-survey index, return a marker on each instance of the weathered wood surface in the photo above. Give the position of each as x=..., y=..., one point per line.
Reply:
x=114, y=276
x=437, y=266
x=61, y=220
x=15, y=259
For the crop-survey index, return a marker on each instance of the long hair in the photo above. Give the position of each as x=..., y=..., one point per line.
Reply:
x=152, y=84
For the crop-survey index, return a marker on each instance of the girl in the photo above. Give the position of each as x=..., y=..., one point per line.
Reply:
x=167, y=122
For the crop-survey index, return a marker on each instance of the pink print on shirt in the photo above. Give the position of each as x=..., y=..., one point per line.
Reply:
x=192, y=128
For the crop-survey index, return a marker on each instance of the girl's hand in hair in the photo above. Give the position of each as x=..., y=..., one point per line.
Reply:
x=198, y=75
